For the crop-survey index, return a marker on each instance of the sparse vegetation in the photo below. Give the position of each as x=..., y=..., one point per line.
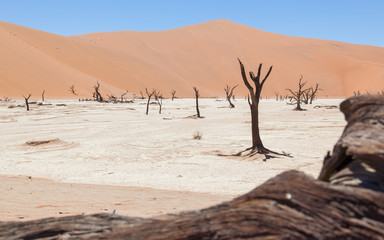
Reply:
x=197, y=135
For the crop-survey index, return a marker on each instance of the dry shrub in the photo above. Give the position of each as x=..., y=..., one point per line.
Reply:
x=197, y=135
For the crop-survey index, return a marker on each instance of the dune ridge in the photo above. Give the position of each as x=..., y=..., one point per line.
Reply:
x=202, y=55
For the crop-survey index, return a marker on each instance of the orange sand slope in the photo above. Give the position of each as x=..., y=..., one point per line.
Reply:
x=202, y=55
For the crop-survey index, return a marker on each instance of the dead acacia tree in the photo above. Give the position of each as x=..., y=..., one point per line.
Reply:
x=159, y=99
x=26, y=101
x=142, y=96
x=173, y=92
x=72, y=90
x=253, y=100
x=96, y=95
x=122, y=96
x=229, y=92
x=313, y=93
x=42, y=96
x=149, y=94
x=297, y=96
x=197, y=95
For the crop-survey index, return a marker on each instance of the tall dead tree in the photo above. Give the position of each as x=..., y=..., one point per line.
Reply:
x=173, y=92
x=72, y=90
x=149, y=94
x=229, y=92
x=96, y=95
x=197, y=95
x=142, y=96
x=298, y=95
x=159, y=100
x=313, y=93
x=253, y=100
x=26, y=101
x=42, y=96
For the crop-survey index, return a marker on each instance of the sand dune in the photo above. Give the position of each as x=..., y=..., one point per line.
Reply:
x=202, y=55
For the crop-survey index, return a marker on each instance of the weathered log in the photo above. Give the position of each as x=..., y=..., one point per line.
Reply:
x=358, y=156
x=291, y=205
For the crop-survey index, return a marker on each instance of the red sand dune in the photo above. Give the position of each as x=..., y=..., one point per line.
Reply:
x=202, y=55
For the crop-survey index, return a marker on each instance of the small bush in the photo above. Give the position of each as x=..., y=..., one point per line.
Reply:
x=198, y=135
x=11, y=106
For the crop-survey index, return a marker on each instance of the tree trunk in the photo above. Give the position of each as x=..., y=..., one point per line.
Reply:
x=149, y=99
x=358, y=156
x=27, y=104
x=197, y=101
x=289, y=206
x=197, y=106
x=231, y=105
x=256, y=140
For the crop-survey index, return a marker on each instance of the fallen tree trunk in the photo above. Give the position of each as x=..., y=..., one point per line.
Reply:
x=358, y=156
x=291, y=205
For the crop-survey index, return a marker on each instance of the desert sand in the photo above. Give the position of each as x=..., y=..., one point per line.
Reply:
x=202, y=55
x=104, y=156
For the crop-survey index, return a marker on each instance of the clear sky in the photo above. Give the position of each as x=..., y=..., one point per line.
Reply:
x=354, y=21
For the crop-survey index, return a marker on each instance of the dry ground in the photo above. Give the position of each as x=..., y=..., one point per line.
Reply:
x=117, y=144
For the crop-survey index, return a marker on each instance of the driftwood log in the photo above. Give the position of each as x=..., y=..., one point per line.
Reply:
x=358, y=156
x=291, y=205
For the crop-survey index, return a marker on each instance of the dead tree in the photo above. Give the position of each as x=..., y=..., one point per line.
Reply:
x=96, y=95
x=149, y=94
x=173, y=92
x=72, y=90
x=197, y=95
x=356, y=93
x=142, y=96
x=122, y=95
x=298, y=95
x=159, y=100
x=253, y=101
x=229, y=92
x=112, y=98
x=26, y=101
x=277, y=96
x=42, y=96
x=314, y=93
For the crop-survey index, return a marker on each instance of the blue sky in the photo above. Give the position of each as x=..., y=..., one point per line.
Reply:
x=354, y=21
